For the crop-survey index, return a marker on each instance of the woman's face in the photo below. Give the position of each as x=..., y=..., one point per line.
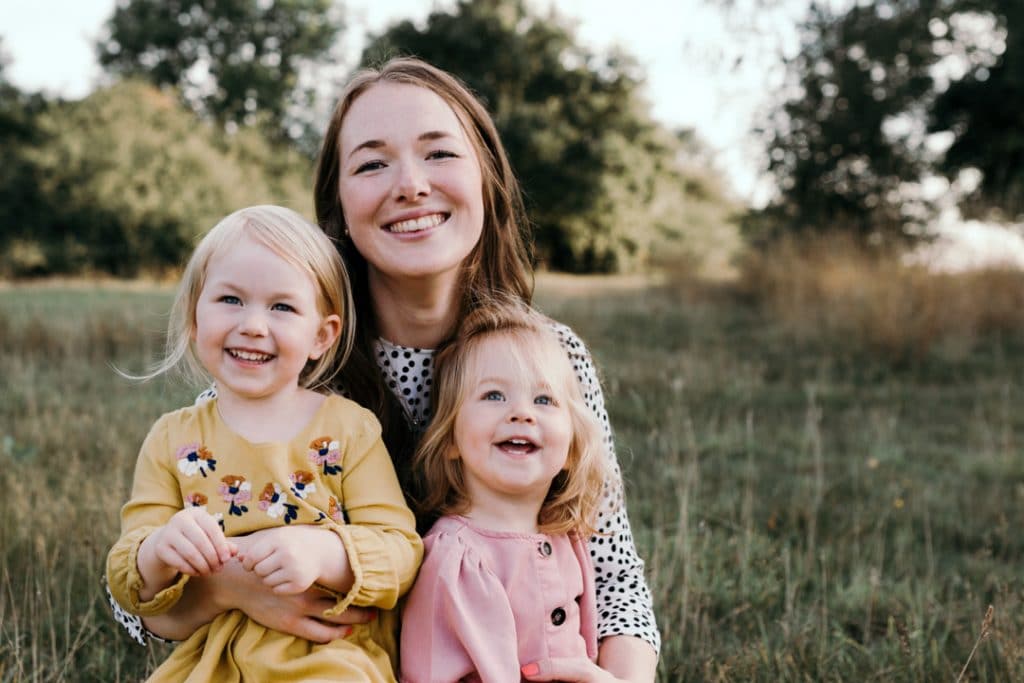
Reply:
x=410, y=183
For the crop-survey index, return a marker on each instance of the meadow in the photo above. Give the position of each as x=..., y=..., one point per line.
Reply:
x=816, y=501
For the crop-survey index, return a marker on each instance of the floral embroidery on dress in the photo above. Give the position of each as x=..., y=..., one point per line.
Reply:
x=337, y=512
x=302, y=483
x=194, y=458
x=199, y=500
x=235, y=491
x=325, y=451
x=275, y=503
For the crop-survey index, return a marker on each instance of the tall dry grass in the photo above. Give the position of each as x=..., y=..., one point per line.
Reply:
x=833, y=289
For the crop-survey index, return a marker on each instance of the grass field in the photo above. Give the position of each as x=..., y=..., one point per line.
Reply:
x=809, y=510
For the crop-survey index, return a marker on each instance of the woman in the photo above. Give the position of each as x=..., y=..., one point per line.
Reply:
x=414, y=184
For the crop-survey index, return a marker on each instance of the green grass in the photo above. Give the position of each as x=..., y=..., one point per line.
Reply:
x=808, y=512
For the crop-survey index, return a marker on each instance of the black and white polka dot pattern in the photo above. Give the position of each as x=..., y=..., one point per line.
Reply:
x=409, y=374
x=623, y=599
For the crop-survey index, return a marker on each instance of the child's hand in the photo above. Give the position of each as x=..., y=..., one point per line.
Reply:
x=291, y=559
x=191, y=543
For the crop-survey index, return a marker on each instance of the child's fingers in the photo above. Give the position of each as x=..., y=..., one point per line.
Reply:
x=255, y=555
x=215, y=534
x=201, y=543
x=181, y=555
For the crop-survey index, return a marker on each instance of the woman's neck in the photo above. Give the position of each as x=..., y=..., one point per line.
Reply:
x=416, y=313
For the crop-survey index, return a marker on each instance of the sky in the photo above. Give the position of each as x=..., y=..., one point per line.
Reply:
x=695, y=78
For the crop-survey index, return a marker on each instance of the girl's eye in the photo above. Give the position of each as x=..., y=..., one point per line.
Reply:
x=544, y=400
x=287, y=308
x=442, y=154
x=494, y=396
x=229, y=299
x=369, y=166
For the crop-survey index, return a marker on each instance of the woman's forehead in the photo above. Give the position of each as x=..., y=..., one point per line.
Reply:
x=397, y=112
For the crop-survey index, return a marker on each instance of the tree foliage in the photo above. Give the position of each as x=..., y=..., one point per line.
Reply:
x=850, y=141
x=985, y=108
x=596, y=170
x=233, y=60
x=127, y=178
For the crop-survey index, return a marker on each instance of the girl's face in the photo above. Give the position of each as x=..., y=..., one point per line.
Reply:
x=513, y=429
x=258, y=322
x=410, y=183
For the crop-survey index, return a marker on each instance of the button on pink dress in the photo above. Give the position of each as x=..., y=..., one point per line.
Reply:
x=486, y=603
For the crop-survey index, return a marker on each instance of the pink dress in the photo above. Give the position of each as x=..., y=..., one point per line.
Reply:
x=486, y=603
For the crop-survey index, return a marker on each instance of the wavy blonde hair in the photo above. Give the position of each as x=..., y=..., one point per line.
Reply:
x=572, y=501
x=297, y=241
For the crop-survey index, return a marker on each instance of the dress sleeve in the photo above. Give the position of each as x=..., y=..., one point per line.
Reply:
x=624, y=605
x=380, y=539
x=458, y=621
x=155, y=499
x=132, y=622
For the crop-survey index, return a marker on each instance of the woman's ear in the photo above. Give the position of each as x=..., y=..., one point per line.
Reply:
x=330, y=328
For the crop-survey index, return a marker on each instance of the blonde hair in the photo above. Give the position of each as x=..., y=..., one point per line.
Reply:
x=572, y=501
x=295, y=240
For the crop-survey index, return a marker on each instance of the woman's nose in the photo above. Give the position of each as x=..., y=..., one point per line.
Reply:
x=412, y=182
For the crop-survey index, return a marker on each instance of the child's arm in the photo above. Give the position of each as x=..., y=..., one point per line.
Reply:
x=457, y=620
x=190, y=543
x=154, y=500
x=291, y=559
x=381, y=549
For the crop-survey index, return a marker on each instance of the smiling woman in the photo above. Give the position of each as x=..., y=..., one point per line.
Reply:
x=410, y=184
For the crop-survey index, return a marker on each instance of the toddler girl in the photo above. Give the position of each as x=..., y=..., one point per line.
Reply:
x=513, y=460
x=264, y=309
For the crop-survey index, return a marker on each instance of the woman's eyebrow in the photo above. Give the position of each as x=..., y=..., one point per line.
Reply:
x=423, y=137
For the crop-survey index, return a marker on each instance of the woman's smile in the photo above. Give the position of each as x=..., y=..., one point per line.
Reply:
x=410, y=184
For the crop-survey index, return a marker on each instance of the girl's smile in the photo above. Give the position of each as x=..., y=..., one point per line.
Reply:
x=258, y=322
x=513, y=429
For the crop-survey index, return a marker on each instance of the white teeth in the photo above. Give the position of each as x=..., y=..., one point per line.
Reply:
x=421, y=223
x=519, y=442
x=250, y=355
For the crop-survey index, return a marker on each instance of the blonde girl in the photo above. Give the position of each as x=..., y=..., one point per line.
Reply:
x=275, y=474
x=514, y=462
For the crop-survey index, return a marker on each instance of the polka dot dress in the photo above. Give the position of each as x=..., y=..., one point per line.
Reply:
x=623, y=600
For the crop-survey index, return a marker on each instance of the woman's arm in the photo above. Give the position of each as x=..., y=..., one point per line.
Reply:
x=628, y=633
x=234, y=588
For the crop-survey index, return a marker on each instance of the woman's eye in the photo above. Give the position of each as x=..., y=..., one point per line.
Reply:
x=369, y=166
x=228, y=299
x=442, y=154
x=494, y=396
x=544, y=400
x=282, y=307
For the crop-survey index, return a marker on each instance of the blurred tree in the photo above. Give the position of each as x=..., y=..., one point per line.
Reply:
x=235, y=61
x=130, y=177
x=839, y=144
x=871, y=95
x=22, y=205
x=985, y=109
x=591, y=160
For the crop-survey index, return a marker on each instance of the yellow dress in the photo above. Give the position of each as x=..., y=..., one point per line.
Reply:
x=335, y=473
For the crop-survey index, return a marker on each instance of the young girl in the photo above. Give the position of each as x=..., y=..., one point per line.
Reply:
x=514, y=460
x=264, y=308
